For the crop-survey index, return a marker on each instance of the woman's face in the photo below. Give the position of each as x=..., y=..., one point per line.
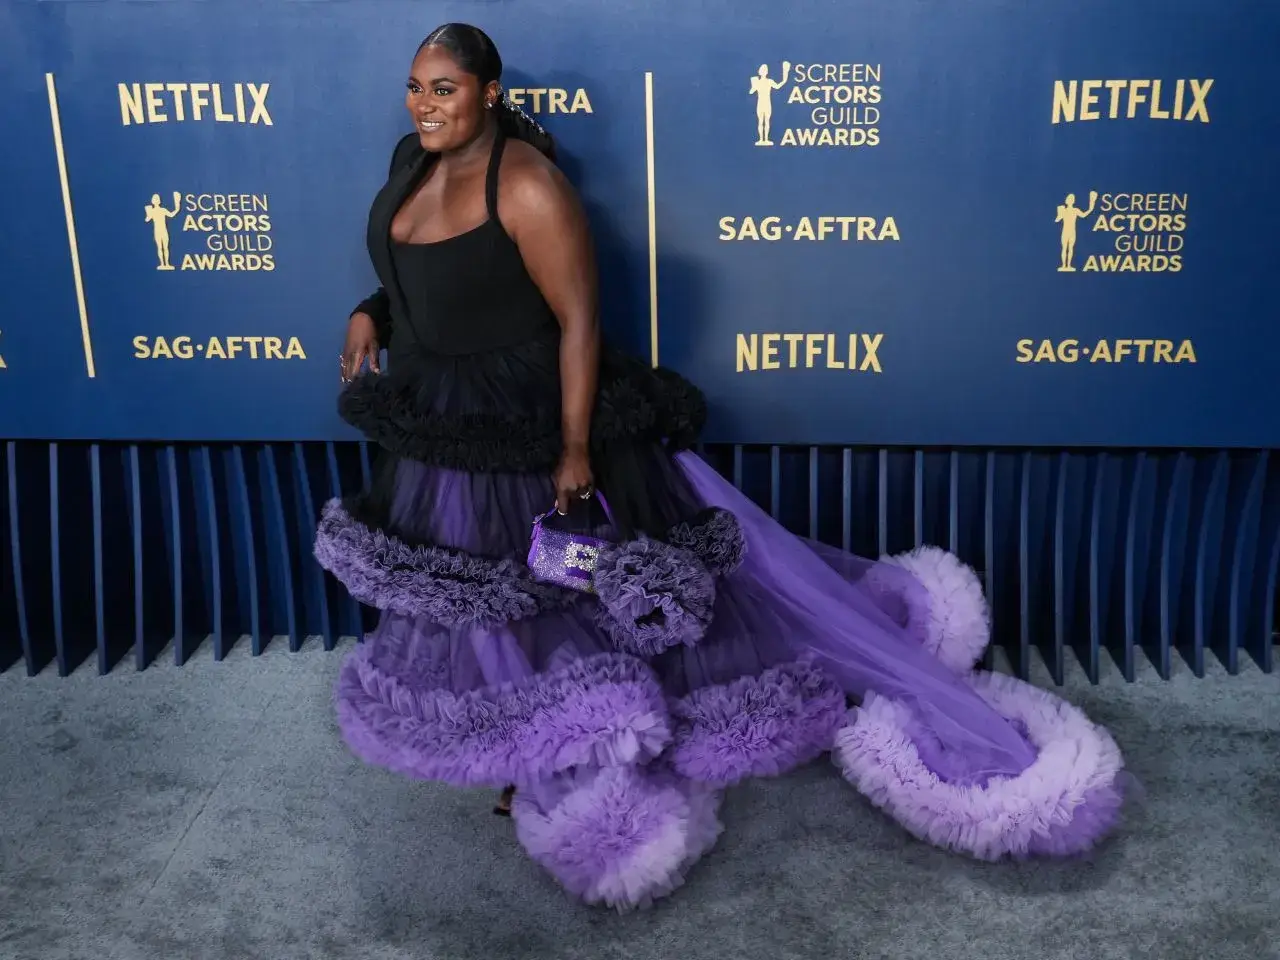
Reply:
x=447, y=104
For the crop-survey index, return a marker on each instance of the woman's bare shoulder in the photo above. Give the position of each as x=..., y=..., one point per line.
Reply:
x=531, y=185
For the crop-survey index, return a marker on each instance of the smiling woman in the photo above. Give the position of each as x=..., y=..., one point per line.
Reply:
x=440, y=101
x=620, y=659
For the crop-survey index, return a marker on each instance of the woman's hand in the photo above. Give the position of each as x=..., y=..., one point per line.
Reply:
x=573, y=478
x=361, y=345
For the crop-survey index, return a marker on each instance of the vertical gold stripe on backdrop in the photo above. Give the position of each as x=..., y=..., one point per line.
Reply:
x=71, y=224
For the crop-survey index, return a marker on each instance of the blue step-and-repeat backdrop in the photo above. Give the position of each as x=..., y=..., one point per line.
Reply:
x=868, y=221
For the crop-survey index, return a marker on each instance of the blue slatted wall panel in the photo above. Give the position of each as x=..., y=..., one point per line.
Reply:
x=115, y=550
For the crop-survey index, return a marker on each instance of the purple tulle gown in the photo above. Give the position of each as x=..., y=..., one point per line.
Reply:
x=713, y=646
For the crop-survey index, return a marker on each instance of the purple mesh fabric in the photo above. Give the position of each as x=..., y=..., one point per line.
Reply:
x=838, y=622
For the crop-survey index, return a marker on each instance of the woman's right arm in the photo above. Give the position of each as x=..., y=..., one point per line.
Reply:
x=377, y=307
x=369, y=324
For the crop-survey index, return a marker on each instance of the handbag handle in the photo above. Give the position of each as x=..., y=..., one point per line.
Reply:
x=608, y=513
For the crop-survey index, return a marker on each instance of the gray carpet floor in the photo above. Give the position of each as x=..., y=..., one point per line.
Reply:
x=210, y=811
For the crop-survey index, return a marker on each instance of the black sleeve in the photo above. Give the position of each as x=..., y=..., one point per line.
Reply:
x=378, y=305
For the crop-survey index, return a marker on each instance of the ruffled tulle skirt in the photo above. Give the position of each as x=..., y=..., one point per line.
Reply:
x=715, y=645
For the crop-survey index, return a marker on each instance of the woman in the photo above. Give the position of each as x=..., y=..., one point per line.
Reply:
x=707, y=644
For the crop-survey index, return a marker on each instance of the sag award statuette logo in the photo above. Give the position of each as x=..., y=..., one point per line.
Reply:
x=231, y=232
x=158, y=216
x=1124, y=232
x=830, y=104
x=762, y=85
x=1069, y=215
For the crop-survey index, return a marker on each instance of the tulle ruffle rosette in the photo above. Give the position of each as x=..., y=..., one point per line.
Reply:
x=658, y=594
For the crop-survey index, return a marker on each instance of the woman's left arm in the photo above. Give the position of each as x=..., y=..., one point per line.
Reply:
x=542, y=213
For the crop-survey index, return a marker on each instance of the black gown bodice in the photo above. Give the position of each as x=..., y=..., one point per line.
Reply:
x=473, y=374
x=470, y=293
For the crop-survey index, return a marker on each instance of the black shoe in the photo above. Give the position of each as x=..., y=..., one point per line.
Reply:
x=507, y=796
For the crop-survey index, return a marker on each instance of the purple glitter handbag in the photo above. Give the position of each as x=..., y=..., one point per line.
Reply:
x=562, y=557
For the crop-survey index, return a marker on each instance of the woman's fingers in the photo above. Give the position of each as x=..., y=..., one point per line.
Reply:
x=354, y=358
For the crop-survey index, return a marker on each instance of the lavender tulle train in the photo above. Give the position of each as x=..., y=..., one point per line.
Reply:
x=725, y=649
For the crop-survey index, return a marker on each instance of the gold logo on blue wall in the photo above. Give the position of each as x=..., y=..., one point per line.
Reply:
x=551, y=100
x=223, y=232
x=194, y=102
x=841, y=228
x=1122, y=233
x=854, y=352
x=184, y=347
x=158, y=215
x=817, y=104
x=1131, y=100
x=1121, y=350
